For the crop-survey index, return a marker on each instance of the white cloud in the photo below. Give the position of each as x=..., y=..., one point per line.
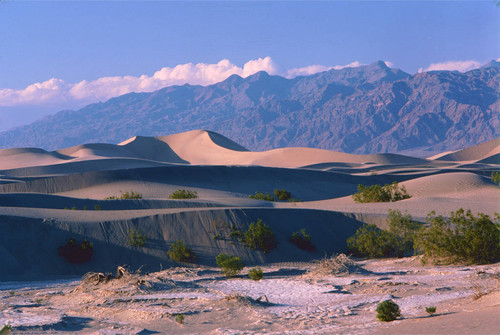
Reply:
x=462, y=66
x=306, y=71
x=56, y=90
x=353, y=64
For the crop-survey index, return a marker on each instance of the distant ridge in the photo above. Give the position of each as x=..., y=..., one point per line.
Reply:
x=364, y=110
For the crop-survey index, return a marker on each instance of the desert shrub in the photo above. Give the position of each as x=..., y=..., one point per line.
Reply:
x=217, y=237
x=388, y=311
x=127, y=195
x=179, y=318
x=97, y=207
x=183, y=194
x=230, y=265
x=403, y=230
x=370, y=241
x=461, y=238
x=236, y=233
x=256, y=273
x=136, y=238
x=495, y=177
x=130, y=195
x=179, y=252
x=5, y=329
x=76, y=253
x=431, y=310
x=302, y=240
x=259, y=236
x=73, y=208
x=377, y=193
x=261, y=196
x=282, y=195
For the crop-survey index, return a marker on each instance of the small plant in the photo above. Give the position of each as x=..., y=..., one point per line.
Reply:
x=97, y=207
x=127, y=195
x=84, y=208
x=73, y=208
x=262, y=196
x=76, y=253
x=183, y=194
x=302, y=240
x=282, y=195
x=38, y=301
x=179, y=252
x=431, y=310
x=377, y=193
x=179, y=318
x=230, y=265
x=259, y=236
x=256, y=273
x=12, y=292
x=495, y=177
x=236, y=233
x=5, y=329
x=388, y=311
x=217, y=237
x=136, y=238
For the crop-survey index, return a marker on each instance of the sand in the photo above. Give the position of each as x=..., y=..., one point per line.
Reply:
x=48, y=197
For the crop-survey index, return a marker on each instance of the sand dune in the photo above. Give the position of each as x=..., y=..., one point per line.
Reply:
x=37, y=185
x=479, y=152
x=47, y=198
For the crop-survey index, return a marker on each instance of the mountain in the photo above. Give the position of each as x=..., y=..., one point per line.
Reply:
x=363, y=110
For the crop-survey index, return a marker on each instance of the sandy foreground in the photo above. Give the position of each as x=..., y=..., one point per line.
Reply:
x=48, y=197
x=290, y=299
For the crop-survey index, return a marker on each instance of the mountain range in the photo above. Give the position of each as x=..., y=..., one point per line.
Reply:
x=363, y=110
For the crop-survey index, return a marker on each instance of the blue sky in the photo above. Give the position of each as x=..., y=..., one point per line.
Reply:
x=62, y=54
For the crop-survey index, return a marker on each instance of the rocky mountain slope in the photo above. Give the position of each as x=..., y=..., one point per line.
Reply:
x=368, y=109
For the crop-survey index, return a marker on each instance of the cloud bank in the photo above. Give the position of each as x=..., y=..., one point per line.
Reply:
x=57, y=91
x=462, y=66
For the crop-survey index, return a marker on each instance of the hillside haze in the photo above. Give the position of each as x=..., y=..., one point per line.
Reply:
x=363, y=110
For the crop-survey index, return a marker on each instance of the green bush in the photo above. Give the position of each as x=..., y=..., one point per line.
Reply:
x=302, y=240
x=76, y=253
x=179, y=318
x=256, y=273
x=495, y=177
x=183, y=194
x=431, y=310
x=282, y=195
x=179, y=252
x=261, y=196
x=97, y=207
x=5, y=329
x=388, y=311
x=370, y=241
x=377, y=193
x=230, y=265
x=127, y=195
x=259, y=236
x=236, y=233
x=462, y=238
x=136, y=238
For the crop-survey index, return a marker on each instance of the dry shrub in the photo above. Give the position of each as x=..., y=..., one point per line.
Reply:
x=340, y=264
x=246, y=300
x=123, y=277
